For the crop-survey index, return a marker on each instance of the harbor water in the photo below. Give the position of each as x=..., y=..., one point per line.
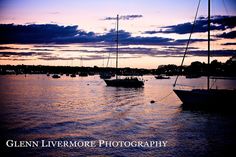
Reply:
x=38, y=107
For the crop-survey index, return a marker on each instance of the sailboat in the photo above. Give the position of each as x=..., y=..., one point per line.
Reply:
x=122, y=82
x=105, y=74
x=160, y=77
x=56, y=76
x=207, y=99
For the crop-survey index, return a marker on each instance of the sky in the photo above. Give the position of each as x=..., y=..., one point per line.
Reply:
x=82, y=32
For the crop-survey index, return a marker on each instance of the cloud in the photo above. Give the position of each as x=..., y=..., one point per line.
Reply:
x=48, y=34
x=16, y=59
x=184, y=41
x=35, y=33
x=51, y=58
x=88, y=57
x=152, y=32
x=21, y=54
x=229, y=44
x=217, y=23
x=168, y=51
x=11, y=48
x=229, y=35
x=54, y=34
x=42, y=50
x=175, y=52
x=124, y=17
x=216, y=53
x=53, y=46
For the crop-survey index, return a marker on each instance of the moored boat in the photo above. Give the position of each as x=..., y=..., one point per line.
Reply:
x=207, y=99
x=56, y=76
x=120, y=82
x=162, y=77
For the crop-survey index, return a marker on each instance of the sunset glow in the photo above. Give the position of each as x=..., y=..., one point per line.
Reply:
x=82, y=33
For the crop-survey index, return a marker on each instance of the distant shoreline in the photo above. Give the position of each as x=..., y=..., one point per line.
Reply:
x=194, y=70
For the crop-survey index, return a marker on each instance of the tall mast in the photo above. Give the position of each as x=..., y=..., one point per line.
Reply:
x=117, y=30
x=209, y=46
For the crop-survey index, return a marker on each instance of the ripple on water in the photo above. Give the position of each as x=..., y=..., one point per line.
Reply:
x=38, y=107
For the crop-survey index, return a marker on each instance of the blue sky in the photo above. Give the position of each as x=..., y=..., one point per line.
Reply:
x=89, y=12
x=82, y=23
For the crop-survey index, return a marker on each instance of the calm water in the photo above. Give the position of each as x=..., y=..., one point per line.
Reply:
x=38, y=107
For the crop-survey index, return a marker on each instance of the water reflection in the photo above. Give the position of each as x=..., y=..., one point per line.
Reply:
x=38, y=107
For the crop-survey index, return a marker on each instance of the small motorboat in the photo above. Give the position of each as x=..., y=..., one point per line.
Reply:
x=162, y=77
x=56, y=76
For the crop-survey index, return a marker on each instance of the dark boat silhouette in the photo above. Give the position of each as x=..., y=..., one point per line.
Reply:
x=56, y=76
x=73, y=75
x=162, y=77
x=207, y=99
x=105, y=75
x=126, y=82
x=212, y=99
x=122, y=82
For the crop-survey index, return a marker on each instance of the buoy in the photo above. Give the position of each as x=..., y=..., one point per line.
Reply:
x=152, y=101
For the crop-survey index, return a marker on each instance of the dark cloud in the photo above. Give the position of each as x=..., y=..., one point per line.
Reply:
x=125, y=38
x=12, y=48
x=173, y=52
x=136, y=50
x=51, y=34
x=124, y=17
x=175, y=48
x=152, y=32
x=166, y=52
x=94, y=45
x=51, y=58
x=53, y=46
x=42, y=50
x=88, y=57
x=229, y=35
x=216, y=53
x=217, y=23
x=184, y=41
x=229, y=44
x=54, y=34
x=37, y=33
x=21, y=54
x=180, y=48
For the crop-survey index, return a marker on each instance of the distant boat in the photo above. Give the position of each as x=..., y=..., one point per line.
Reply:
x=105, y=75
x=126, y=82
x=207, y=99
x=73, y=75
x=56, y=76
x=162, y=77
